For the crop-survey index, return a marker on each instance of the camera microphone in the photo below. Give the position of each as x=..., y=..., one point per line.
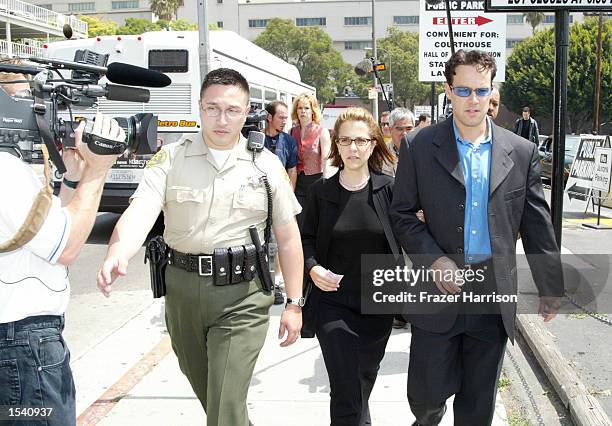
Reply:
x=120, y=73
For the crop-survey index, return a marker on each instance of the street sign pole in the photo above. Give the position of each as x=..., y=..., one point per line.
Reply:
x=559, y=119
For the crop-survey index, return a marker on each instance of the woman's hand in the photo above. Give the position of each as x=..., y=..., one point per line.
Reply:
x=321, y=279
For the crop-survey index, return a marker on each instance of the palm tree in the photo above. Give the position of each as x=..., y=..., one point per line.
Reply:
x=534, y=19
x=165, y=9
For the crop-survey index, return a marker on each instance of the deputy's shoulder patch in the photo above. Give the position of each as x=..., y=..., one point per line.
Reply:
x=158, y=159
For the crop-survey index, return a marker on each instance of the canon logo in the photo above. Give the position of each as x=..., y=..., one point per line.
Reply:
x=103, y=145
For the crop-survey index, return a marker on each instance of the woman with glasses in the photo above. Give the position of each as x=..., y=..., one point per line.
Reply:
x=313, y=143
x=345, y=217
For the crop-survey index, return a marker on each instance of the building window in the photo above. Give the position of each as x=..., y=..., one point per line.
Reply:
x=514, y=19
x=310, y=22
x=82, y=7
x=219, y=24
x=125, y=4
x=357, y=20
x=46, y=6
x=258, y=23
x=550, y=19
x=406, y=20
x=357, y=45
x=511, y=43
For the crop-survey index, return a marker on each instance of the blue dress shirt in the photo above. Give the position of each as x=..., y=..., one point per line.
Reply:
x=476, y=166
x=285, y=147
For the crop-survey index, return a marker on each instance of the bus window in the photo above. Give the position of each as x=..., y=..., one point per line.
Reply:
x=169, y=60
x=270, y=95
x=256, y=94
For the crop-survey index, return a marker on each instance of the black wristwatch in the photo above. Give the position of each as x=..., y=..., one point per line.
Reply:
x=297, y=302
x=71, y=183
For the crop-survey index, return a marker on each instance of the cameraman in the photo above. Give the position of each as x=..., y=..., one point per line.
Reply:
x=34, y=287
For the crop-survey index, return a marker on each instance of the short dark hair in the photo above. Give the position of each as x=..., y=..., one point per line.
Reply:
x=424, y=117
x=273, y=106
x=526, y=109
x=482, y=60
x=224, y=77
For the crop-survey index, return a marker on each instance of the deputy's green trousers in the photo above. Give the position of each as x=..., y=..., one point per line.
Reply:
x=217, y=333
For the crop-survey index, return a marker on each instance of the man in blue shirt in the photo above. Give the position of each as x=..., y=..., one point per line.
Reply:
x=282, y=144
x=285, y=147
x=478, y=186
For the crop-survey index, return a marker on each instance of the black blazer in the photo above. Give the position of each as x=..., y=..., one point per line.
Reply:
x=429, y=177
x=320, y=215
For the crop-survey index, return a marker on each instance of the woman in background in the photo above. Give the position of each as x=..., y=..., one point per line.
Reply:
x=313, y=143
x=345, y=217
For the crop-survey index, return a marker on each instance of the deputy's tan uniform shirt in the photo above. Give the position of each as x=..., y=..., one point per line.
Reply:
x=208, y=206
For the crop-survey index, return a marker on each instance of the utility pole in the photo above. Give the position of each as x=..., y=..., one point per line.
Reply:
x=374, y=52
x=204, y=42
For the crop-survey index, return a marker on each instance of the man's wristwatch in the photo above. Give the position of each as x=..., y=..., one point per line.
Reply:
x=297, y=302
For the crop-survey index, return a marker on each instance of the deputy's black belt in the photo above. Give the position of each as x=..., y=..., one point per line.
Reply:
x=227, y=266
x=200, y=263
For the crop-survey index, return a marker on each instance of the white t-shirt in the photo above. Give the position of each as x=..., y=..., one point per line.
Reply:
x=31, y=283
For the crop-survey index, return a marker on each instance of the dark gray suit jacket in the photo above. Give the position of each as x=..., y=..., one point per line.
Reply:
x=429, y=177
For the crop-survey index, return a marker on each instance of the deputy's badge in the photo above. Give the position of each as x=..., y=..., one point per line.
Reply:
x=158, y=159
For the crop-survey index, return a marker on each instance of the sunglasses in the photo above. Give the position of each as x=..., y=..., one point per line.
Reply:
x=464, y=92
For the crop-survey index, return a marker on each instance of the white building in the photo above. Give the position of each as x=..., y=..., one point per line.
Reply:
x=112, y=10
x=348, y=22
x=23, y=25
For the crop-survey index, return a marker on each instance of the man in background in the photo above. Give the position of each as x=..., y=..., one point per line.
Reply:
x=494, y=103
x=384, y=126
x=424, y=121
x=527, y=127
x=285, y=147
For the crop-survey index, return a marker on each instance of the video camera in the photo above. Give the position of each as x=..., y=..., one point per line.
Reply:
x=255, y=121
x=30, y=120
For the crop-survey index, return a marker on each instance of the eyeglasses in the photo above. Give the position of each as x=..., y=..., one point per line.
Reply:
x=346, y=141
x=464, y=92
x=212, y=111
x=385, y=124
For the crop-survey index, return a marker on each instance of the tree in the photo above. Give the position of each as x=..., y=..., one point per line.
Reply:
x=529, y=77
x=311, y=50
x=165, y=9
x=403, y=49
x=138, y=26
x=534, y=19
x=98, y=27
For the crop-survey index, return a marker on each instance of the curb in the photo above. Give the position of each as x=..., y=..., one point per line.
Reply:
x=582, y=406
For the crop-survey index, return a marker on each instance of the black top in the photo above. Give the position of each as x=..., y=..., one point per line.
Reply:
x=526, y=128
x=358, y=231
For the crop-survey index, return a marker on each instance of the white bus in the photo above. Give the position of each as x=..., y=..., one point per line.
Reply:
x=175, y=53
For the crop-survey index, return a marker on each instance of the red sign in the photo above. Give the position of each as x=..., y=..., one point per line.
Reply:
x=463, y=20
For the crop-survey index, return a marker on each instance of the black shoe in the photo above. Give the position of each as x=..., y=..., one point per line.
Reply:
x=279, y=299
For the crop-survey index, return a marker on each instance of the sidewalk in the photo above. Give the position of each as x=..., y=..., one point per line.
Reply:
x=289, y=387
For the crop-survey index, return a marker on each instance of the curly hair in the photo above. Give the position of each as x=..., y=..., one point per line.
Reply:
x=314, y=105
x=380, y=154
x=481, y=60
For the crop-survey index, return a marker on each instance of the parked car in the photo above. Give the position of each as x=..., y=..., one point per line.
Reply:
x=545, y=151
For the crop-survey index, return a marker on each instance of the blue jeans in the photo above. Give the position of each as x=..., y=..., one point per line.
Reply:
x=35, y=371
